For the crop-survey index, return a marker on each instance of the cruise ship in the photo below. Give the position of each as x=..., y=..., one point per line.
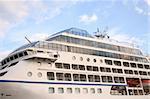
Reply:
x=74, y=64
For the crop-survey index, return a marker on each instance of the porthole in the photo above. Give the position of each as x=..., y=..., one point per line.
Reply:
x=81, y=58
x=39, y=74
x=74, y=58
x=101, y=60
x=94, y=60
x=29, y=74
x=88, y=59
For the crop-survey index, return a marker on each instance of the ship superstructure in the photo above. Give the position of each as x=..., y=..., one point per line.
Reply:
x=74, y=64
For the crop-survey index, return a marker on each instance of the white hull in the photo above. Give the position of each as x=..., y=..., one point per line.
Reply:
x=38, y=91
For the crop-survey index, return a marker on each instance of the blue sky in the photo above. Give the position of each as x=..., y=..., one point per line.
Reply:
x=127, y=20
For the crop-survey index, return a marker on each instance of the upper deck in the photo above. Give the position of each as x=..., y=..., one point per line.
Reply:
x=82, y=37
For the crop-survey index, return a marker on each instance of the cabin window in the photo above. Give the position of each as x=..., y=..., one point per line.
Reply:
x=69, y=90
x=102, y=69
x=50, y=76
x=82, y=77
x=76, y=77
x=120, y=71
x=97, y=78
x=126, y=64
x=99, y=90
x=51, y=90
x=119, y=80
x=141, y=92
x=108, y=62
x=107, y=79
x=133, y=65
x=149, y=73
x=89, y=68
x=25, y=53
x=81, y=67
x=85, y=90
x=92, y=90
x=136, y=72
x=67, y=76
x=95, y=68
x=75, y=67
x=135, y=92
x=90, y=78
x=16, y=56
x=130, y=91
x=147, y=66
x=130, y=72
x=117, y=63
x=20, y=54
x=77, y=90
x=60, y=90
x=140, y=65
x=11, y=58
x=7, y=59
x=108, y=70
x=59, y=76
x=58, y=65
x=66, y=66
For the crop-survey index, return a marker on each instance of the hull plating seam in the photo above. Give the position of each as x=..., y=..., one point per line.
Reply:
x=62, y=83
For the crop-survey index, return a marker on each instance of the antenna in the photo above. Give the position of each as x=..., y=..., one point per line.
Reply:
x=102, y=34
x=27, y=39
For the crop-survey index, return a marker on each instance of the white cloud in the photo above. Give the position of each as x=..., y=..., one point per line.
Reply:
x=38, y=36
x=116, y=34
x=148, y=2
x=139, y=10
x=13, y=13
x=88, y=19
x=3, y=54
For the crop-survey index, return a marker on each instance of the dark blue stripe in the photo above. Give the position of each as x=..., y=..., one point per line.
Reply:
x=62, y=83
